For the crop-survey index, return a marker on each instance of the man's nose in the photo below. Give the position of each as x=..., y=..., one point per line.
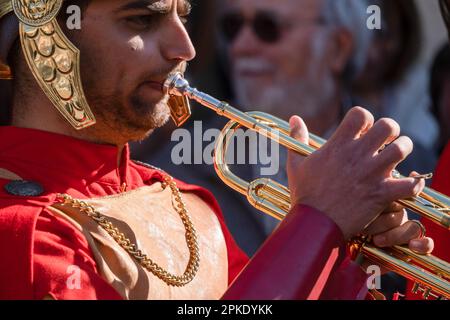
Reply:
x=176, y=43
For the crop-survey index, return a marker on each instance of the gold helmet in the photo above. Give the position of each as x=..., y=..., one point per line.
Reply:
x=52, y=58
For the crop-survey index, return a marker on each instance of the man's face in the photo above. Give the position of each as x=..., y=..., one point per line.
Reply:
x=295, y=67
x=128, y=48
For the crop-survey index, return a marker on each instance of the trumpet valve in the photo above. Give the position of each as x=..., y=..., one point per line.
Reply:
x=426, y=292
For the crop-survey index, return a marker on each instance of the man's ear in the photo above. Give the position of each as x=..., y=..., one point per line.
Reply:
x=342, y=46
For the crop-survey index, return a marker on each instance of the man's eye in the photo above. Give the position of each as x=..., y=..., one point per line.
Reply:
x=142, y=22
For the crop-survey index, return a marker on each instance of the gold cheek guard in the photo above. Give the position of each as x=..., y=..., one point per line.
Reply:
x=53, y=59
x=55, y=62
x=180, y=110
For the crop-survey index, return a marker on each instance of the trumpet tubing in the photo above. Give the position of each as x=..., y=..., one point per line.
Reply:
x=430, y=274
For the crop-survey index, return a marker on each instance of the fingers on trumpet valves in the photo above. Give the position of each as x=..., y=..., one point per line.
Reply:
x=422, y=246
x=422, y=231
x=394, y=153
x=356, y=123
x=419, y=176
x=410, y=232
x=387, y=221
x=406, y=188
x=382, y=134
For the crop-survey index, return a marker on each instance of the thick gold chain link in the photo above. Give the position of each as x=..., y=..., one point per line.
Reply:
x=132, y=249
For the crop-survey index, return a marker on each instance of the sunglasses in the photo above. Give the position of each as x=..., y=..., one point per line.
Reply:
x=266, y=26
x=445, y=9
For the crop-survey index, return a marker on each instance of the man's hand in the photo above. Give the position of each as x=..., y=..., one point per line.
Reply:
x=393, y=228
x=349, y=179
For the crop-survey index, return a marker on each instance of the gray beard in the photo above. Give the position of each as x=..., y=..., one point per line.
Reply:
x=307, y=98
x=308, y=95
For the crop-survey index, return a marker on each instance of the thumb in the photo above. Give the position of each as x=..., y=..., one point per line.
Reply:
x=299, y=131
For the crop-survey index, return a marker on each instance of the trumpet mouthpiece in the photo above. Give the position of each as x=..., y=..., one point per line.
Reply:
x=176, y=85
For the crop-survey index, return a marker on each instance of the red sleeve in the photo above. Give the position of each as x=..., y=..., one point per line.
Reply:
x=296, y=262
x=63, y=266
x=349, y=282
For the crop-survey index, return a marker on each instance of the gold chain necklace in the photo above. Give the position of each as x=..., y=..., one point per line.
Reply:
x=131, y=248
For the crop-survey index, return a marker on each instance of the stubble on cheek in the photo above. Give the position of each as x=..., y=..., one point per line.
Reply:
x=149, y=115
x=112, y=94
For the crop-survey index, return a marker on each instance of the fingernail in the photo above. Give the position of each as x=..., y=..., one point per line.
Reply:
x=415, y=245
x=379, y=241
x=293, y=123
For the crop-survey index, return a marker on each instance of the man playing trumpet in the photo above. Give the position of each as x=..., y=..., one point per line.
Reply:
x=82, y=221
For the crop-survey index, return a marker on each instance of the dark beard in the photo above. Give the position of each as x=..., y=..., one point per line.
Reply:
x=117, y=113
x=148, y=117
x=129, y=116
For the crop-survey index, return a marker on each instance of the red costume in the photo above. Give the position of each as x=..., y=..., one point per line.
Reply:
x=440, y=236
x=304, y=259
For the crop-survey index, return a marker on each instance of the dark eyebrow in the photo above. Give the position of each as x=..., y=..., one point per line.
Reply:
x=152, y=5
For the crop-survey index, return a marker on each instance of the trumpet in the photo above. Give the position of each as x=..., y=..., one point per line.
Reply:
x=430, y=274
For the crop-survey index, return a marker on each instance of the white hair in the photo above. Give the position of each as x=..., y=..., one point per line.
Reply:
x=351, y=15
